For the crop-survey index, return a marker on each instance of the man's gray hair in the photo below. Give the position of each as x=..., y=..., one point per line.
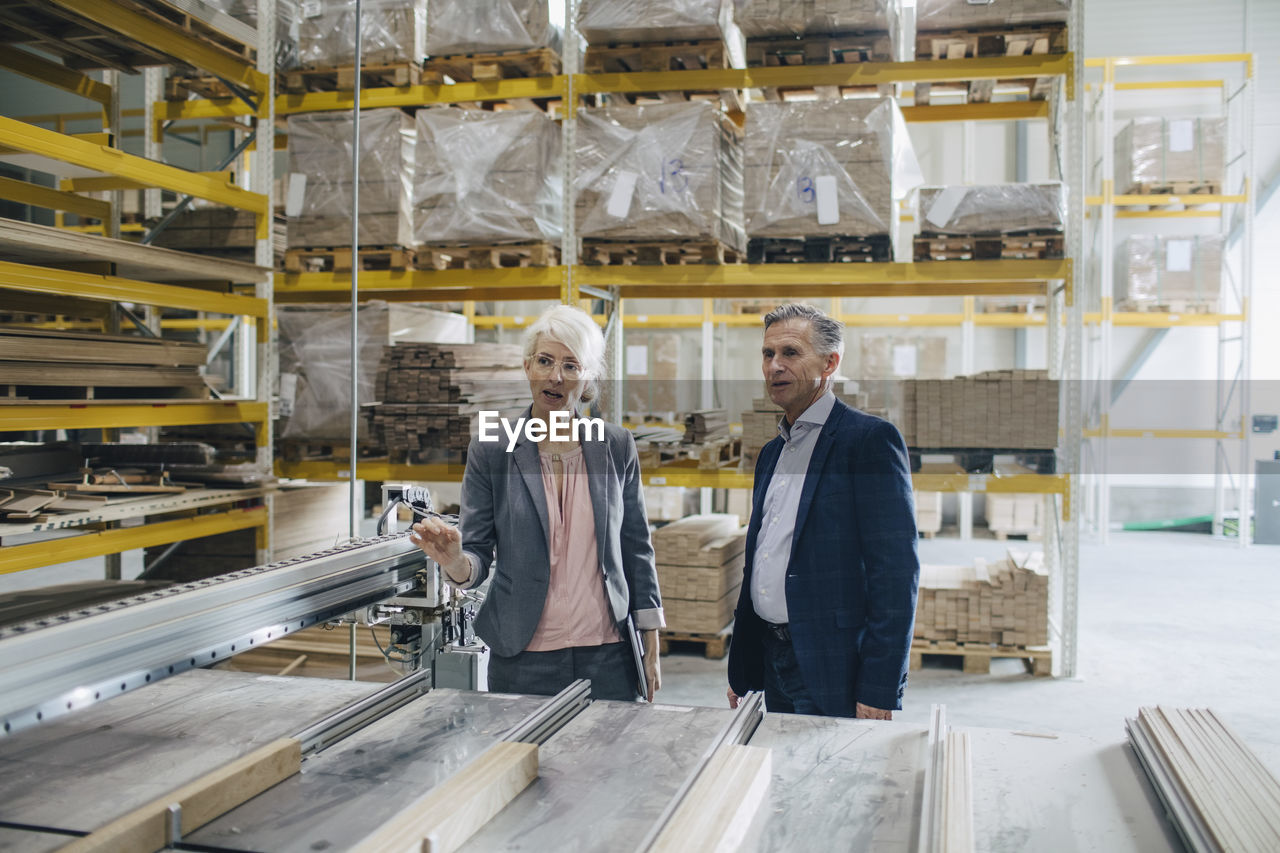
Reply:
x=826, y=332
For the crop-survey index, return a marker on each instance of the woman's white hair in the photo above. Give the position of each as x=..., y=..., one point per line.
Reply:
x=574, y=328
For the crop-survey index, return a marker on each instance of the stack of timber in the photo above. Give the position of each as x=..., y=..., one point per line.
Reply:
x=928, y=513
x=817, y=32
x=705, y=425
x=53, y=365
x=759, y=427
x=1217, y=793
x=982, y=611
x=1015, y=515
x=431, y=393
x=659, y=184
x=221, y=231
x=822, y=179
x=1014, y=409
x=700, y=561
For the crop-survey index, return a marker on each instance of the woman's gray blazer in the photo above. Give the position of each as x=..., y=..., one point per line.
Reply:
x=504, y=508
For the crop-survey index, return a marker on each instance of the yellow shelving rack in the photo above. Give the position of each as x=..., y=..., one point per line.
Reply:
x=64, y=278
x=1233, y=209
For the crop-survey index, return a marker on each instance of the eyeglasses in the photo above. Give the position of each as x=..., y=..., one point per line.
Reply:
x=544, y=366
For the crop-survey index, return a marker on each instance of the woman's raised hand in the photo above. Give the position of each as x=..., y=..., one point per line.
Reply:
x=439, y=541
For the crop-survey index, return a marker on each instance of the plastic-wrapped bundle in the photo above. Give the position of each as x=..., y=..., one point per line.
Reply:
x=319, y=204
x=315, y=360
x=486, y=177
x=1154, y=271
x=659, y=172
x=949, y=14
x=287, y=15
x=391, y=31
x=479, y=26
x=765, y=18
x=604, y=21
x=826, y=168
x=1157, y=152
x=994, y=208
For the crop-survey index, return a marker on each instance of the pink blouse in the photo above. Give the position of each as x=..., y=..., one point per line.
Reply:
x=576, y=612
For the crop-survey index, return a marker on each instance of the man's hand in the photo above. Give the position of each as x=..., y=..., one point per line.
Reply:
x=652, y=667
x=866, y=712
x=734, y=699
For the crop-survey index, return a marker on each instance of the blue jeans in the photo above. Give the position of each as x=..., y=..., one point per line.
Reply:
x=784, y=690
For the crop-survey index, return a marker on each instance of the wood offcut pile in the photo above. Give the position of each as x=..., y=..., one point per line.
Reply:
x=1217, y=793
x=431, y=393
x=1005, y=603
x=700, y=561
x=705, y=425
x=995, y=409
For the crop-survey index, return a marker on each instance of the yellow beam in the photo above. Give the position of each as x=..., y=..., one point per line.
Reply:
x=99, y=138
x=34, y=279
x=1169, y=214
x=20, y=558
x=1163, y=434
x=47, y=197
x=99, y=185
x=1010, y=319
x=1189, y=199
x=189, y=49
x=37, y=140
x=56, y=74
x=374, y=470
x=1179, y=59
x=1169, y=84
x=93, y=414
x=997, y=111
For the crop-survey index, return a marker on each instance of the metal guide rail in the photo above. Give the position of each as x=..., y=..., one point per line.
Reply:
x=59, y=663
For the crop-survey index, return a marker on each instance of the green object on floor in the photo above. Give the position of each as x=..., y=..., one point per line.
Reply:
x=1166, y=524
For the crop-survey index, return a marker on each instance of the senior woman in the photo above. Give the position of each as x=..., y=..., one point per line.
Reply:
x=566, y=520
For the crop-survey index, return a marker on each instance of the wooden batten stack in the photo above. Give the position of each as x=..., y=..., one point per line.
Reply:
x=431, y=393
x=52, y=365
x=700, y=561
x=705, y=425
x=928, y=513
x=1010, y=409
x=1005, y=603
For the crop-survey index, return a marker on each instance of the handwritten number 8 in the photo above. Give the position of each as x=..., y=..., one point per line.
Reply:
x=673, y=169
x=804, y=189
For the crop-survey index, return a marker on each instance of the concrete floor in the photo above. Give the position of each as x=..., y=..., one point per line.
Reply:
x=1165, y=618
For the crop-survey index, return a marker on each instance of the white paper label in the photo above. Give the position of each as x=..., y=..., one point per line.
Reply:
x=827, y=198
x=1177, y=255
x=296, y=193
x=904, y=360
x=288, y=393
x=637, y=360
x=620, y=199
x=1182, y=134
x=944, y=205
x=311, y=8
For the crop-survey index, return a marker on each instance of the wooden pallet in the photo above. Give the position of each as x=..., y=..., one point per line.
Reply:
x=957, y=247
x=655, y=56
x=833, y=49
x=499, y=65
x=1175, y=188
x=1171, y=306
x=978, y=42
x=342, y=78
x=714, y=646
x=981, y=460
x=339, y=259
x=819, y=250
x=657, y=252
x=977, y=657
x=488, y=256
x=1028, y=535
x=981, y=91
x=179, y=87
x=174, y=18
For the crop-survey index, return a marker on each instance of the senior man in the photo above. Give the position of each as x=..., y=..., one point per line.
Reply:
x=825, y=614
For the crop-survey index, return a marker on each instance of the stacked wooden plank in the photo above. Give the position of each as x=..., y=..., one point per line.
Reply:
x=1011, y=409
x=45, y=364
x=1171, y=155
x=320, y=179
x=486, y=177
x=222, y=231
x=705, y=425
x=1004, y=603
x=1218, y=794
x=824, y=169
x=700, y=561
x=759, y=427
x=1014, y=514
x=430, y=394
x=1180, y=274
x=659, y=173
x=928, y=513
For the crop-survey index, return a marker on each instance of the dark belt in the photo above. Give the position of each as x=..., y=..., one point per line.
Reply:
x=782, y=633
